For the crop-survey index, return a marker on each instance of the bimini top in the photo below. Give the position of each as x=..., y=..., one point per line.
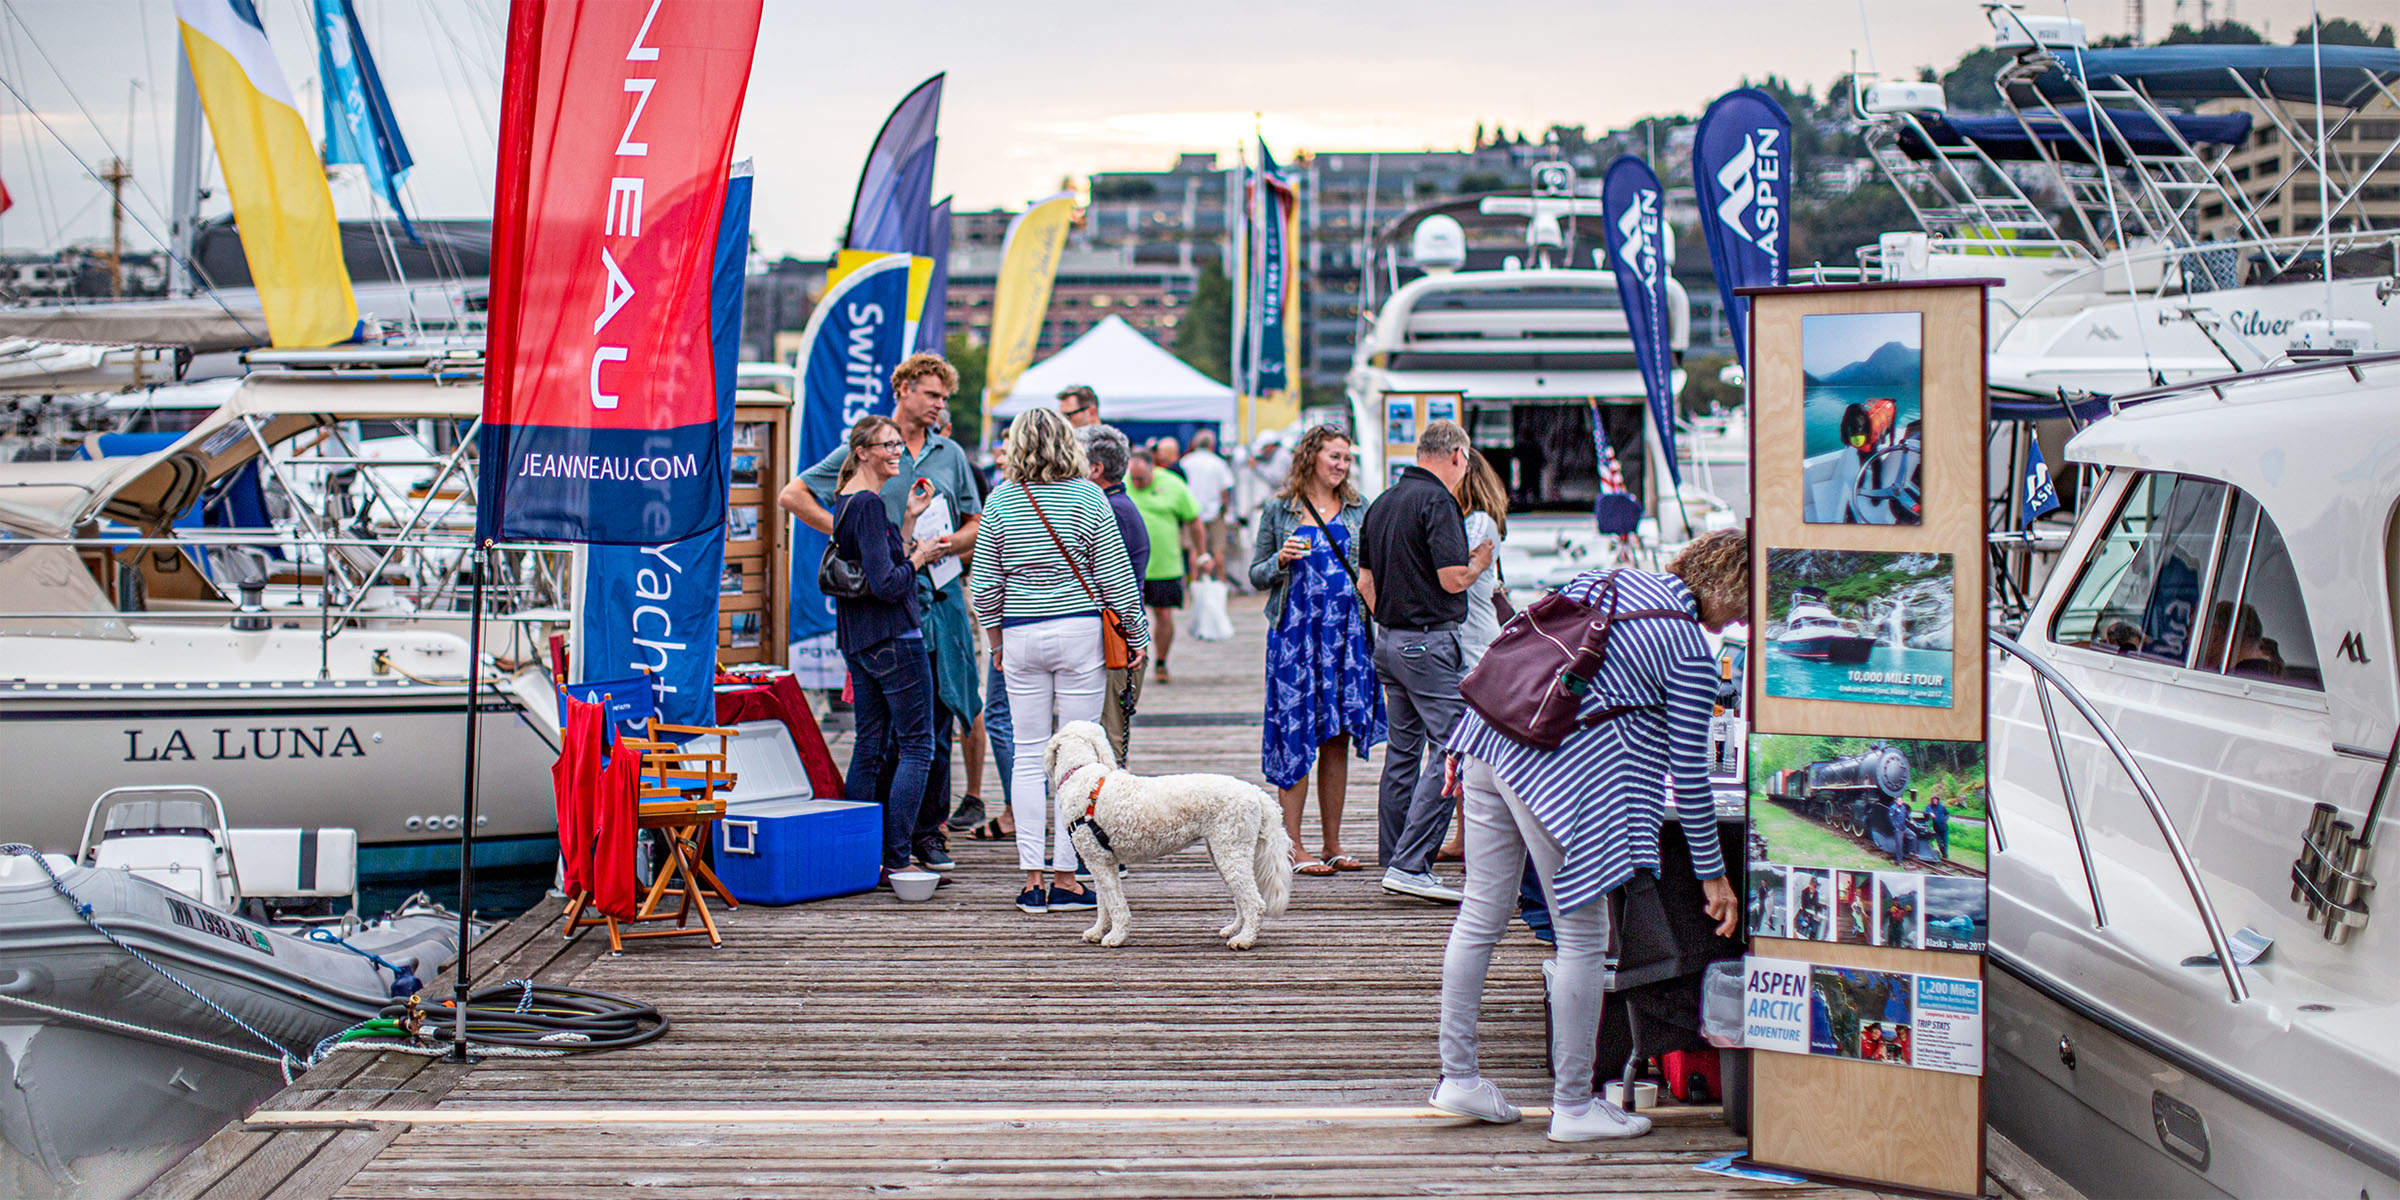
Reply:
x=2193, y=72
x=2041, y=136
x=51, y=499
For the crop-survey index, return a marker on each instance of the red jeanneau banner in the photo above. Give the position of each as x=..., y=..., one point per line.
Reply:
x=600, y=400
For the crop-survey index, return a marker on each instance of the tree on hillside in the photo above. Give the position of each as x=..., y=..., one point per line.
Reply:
x=966, y=404
x=1205, y=337
x=2342, y=31
x=2216, y=33
x=1968, y=86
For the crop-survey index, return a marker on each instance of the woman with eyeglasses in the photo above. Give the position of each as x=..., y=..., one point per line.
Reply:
x=891, y=679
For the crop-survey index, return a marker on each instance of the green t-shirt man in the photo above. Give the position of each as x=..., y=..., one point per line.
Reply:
x=1165, y=505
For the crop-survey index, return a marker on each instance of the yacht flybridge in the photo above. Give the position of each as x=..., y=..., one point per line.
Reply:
x=2153, y=214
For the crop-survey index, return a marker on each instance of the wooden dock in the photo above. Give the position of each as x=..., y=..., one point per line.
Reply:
x=960, y=1048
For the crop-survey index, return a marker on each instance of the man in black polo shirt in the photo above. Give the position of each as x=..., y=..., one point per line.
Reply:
x=1414, y=568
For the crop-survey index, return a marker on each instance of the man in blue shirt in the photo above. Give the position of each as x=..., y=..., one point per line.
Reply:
x=921, y=390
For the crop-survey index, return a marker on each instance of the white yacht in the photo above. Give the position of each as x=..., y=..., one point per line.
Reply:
x=1525, y=343
x=1811, y=631
x=2192, y=744
x=2172, y=261
x=315, y=663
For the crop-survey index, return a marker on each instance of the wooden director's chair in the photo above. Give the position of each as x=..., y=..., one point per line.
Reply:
x=680, y=795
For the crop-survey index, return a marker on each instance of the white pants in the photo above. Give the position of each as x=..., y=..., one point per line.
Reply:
x=1501, y=834
x=1047, y=663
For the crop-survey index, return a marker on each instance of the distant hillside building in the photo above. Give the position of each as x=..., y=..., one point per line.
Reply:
x=2268, y=161
x=1092, y=285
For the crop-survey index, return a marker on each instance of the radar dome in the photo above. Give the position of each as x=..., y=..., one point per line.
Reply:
x=1440, y=244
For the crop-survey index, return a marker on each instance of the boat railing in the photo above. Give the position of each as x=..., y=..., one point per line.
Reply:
x=2045, y=678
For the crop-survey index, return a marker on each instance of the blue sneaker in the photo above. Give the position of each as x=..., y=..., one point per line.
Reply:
x=1031, y=900
x=1062, y=900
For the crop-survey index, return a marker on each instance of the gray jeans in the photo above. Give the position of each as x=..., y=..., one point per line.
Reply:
x=1501, y=833
x=1420, y=674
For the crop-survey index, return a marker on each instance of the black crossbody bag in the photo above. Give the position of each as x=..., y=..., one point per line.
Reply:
x=1347, y=569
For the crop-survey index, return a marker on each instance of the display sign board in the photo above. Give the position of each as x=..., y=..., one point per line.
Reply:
x=1867, y=800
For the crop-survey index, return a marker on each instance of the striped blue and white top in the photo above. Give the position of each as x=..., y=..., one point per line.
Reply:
x=1020, y=577
x=1602, y=793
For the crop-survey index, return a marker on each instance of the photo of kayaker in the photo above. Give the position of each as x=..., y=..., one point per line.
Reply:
x=1863, y=418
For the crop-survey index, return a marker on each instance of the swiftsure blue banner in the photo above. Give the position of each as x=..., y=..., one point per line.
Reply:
x=1742, y=167
x=856, y=337
x=1632, y=214
x=1269, y=288
x=654, y=608
x=359, y=125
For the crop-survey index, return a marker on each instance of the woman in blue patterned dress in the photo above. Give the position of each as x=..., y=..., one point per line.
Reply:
x=1322, y=696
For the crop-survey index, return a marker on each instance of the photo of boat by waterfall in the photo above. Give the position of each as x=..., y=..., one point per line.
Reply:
x=1862, y=418
x=1865, y=626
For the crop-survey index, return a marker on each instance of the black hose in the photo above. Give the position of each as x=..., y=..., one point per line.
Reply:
x=527, y=1015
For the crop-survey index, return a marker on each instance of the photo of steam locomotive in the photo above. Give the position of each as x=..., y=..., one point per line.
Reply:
x=1856, y=796
x=1876, y=804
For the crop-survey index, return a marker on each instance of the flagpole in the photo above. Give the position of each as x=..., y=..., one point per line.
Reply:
x=460, y=985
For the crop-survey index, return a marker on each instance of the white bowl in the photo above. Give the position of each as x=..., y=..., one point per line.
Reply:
x=915, y=885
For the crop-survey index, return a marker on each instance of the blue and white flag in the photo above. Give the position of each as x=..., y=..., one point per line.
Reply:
x=1633, y=217
x=2041, y=495
x=653, y=609
x=855, y=339
x=359, y=126
x=1742, y=168
x=1273, y=332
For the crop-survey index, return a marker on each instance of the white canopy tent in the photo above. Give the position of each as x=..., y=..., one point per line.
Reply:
x=1138, y=381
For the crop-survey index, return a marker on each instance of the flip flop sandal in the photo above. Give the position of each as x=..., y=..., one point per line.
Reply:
x=1344, y=862
x=1310, y=866
x=990, y=831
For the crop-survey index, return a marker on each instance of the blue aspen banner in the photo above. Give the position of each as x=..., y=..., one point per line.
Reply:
x=1742, y=168
x=1633, y=217
x=359, y=125
x=2041, y=496
x=653, y=609
x=855, y=338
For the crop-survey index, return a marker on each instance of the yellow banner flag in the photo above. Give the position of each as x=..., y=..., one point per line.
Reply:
x=280, y=201
x=1021, y=296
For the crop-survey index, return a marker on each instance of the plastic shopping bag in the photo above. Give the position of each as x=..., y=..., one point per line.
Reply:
x=1210, y=621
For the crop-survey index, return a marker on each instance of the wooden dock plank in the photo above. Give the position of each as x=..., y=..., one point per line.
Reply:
x=863, y=1003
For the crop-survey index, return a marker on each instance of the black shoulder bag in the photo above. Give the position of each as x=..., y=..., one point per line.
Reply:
x=838, y=577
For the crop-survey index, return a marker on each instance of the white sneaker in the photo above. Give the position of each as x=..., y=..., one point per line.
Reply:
x=1420, y=884
x=1481, y=1100
x=1601, y=1120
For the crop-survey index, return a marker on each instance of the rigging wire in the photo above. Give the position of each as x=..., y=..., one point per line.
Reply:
x=135, y=217
x=45, y=199
x=9, y=6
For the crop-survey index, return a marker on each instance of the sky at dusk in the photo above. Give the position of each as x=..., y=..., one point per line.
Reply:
x=1039, y=91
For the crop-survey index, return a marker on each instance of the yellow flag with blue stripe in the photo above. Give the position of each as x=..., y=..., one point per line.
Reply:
x=280, y=200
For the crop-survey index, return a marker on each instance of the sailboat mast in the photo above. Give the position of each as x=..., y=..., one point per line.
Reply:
x=185, y=217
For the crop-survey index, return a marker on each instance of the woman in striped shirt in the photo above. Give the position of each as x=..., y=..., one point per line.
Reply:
x=1048, y=558
x=1588, y=814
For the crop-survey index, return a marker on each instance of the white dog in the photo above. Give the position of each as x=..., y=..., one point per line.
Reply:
x=1123, y=818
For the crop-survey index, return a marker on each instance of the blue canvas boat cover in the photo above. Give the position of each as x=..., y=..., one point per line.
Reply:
x=2005, y=139
x=2197, y=72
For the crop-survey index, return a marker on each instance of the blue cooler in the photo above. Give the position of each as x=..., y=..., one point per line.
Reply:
x=786, y=851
